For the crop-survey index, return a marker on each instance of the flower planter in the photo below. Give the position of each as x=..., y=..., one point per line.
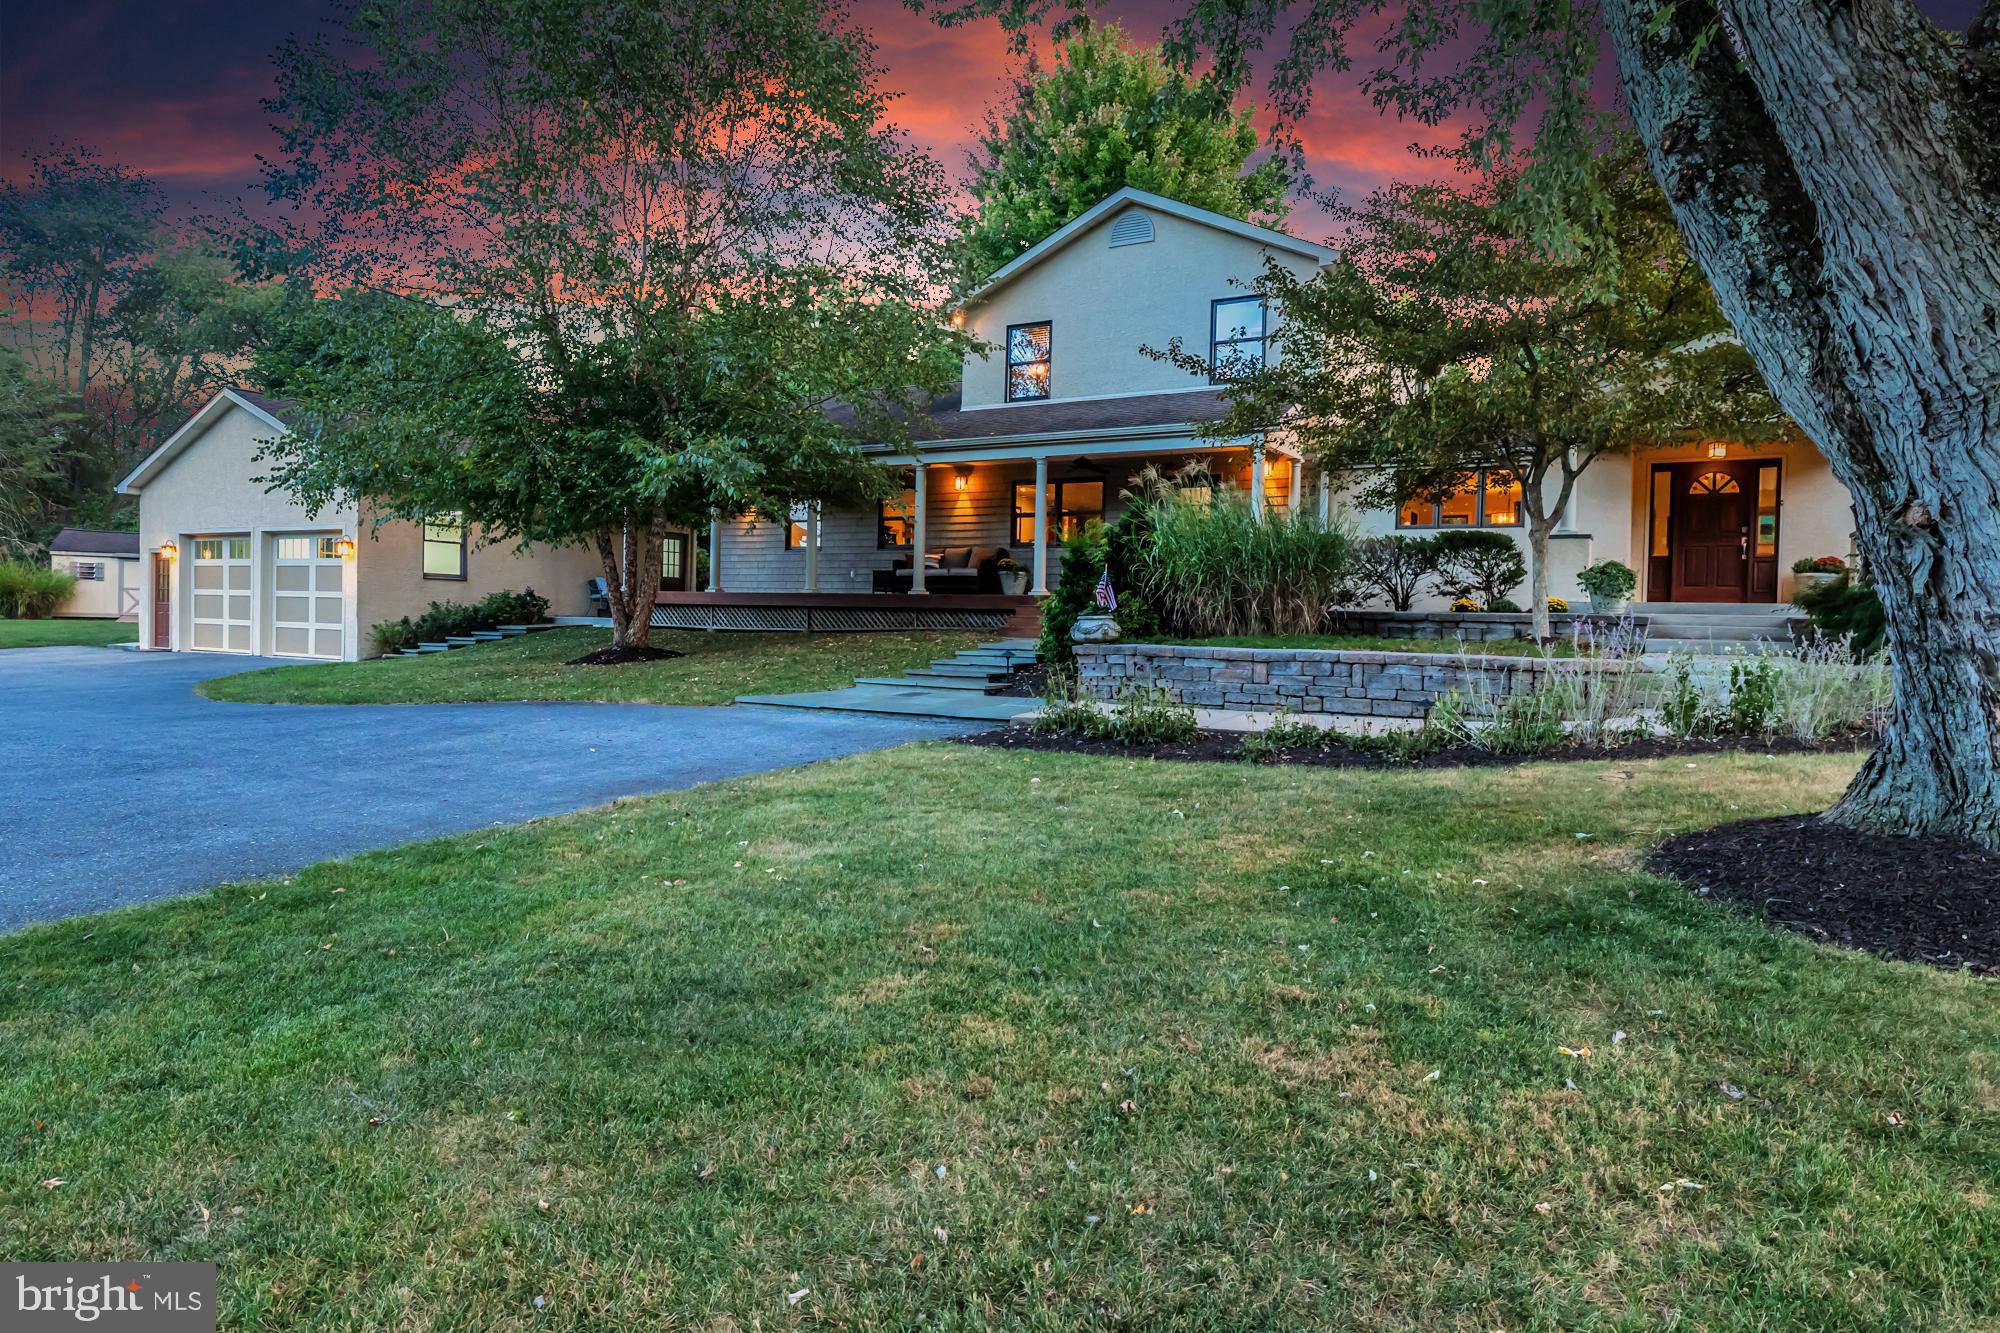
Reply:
x=1094, y=628
x=1608, y=606
x=1817, y=578
x=1014, y=582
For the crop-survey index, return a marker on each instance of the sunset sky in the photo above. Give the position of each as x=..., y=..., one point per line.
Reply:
x=173, y=88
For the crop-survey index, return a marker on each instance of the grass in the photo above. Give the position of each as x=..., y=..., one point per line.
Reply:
x=954, y=1038
x=1370, y=643
x=715, y=669
x=66, y=633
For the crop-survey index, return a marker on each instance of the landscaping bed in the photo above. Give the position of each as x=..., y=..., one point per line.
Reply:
x=1379, y=752
x=1929, y=900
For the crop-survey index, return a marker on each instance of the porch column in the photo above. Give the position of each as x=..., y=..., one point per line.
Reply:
x=1325, y=499
x=812, y=547
x=1296, y=491
x=1041, y=588
x=917, y=535
x=715, y=552
x=1257, y=480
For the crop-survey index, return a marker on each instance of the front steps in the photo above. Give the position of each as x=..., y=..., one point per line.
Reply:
x=1714, y=628
x=477, y=636
x=965, y=686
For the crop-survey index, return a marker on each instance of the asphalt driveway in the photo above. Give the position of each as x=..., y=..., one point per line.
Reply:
x=119, y=784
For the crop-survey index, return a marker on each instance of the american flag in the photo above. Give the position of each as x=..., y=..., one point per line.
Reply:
x=1105, y=597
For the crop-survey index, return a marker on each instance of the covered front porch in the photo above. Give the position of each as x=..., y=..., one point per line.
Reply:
x=982, y=527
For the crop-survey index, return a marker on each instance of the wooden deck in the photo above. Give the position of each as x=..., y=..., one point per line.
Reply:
x=847, y=612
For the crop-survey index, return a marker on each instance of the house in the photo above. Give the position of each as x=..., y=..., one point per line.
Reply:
x=106, y=568
x=234, y=566
x=1048, y=428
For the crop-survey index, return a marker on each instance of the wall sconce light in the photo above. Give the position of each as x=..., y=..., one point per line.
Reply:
x=1717, y=449
x=961, y=476
x=344, y=548
x=958, y=319
x=169, y=551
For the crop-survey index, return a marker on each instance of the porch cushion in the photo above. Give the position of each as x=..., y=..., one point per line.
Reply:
x=957, y=557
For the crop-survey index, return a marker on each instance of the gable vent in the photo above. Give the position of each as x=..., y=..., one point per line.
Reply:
x=1131, y=228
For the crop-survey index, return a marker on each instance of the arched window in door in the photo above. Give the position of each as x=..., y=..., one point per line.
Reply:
x=1714, y=483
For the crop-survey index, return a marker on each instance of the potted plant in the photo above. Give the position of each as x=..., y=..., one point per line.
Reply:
x=1610, y=584
x=1013, y=578
x=1816, y=571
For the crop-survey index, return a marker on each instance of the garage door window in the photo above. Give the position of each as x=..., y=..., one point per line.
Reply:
x=307, y=580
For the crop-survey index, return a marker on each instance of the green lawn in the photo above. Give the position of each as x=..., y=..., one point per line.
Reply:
x=1369, y=643
x=66, y=633
x=717, y=667
x=951, y=1038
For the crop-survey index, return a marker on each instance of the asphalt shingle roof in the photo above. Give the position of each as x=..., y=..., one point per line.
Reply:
x=92, y=541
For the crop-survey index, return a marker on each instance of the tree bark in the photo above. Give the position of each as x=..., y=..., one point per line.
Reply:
x=631, y=556
x=1830, y=171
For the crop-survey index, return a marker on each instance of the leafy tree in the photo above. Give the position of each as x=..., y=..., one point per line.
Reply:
x=1474, y=562
x=1103, y=116
x=1394, y=568
x=1444, y=340
x=32, y=472
x=605, y=264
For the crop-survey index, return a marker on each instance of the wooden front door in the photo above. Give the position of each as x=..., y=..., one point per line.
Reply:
x=1714, y=503
x=163, y=604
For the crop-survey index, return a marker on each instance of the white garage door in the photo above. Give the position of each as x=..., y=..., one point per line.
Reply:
x=219, y=618
x=307, y=577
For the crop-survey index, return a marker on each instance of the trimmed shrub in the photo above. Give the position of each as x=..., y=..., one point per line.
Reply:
x=1485, y=566
x=30, y=591
x=1394, y=568
x=393, y=636
x=1845, y=610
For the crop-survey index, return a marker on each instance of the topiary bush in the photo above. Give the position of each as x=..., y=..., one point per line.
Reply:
x=1394, y=568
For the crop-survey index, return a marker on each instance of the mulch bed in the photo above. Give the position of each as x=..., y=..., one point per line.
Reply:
x=1226, y=746
x=623, y=656
x=1929, y=900
x=1028, y=683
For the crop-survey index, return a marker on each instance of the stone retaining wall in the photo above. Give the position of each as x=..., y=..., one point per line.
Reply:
x=1475, y=626
x=1303, y=680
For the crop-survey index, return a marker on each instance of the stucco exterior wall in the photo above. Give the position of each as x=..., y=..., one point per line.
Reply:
x=1104, y=302
x=389, y=566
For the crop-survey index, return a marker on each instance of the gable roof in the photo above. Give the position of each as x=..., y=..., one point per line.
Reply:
x=94, y=541
x=1072, y=230
x=272, y=411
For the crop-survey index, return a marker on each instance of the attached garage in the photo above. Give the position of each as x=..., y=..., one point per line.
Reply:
x=234, y=566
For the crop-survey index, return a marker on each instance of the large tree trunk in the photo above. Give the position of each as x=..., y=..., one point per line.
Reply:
x=1833, y=168
x=1538, y=574
x=631, y=555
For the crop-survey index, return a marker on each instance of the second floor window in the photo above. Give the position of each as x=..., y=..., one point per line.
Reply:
x=444, y=547
x=1236, y=337
x=1488, y=498
x=1028, y=348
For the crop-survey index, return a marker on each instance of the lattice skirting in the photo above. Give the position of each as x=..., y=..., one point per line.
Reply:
x=826, y=619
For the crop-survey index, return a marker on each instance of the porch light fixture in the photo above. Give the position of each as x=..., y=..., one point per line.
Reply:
x=344, y=548
x=958, y=319
x=961, y=476
x=1718, y=449
x=169, y=551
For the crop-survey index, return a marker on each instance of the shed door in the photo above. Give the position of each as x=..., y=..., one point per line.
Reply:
x=307, y=580
x=219, y=611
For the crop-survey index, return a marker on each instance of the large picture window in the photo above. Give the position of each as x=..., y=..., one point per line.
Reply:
x=896, y=522
x=1487, y=498
x=1072, y=504
x=1029, y=351
x=444, y=547
x=1236, y=337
